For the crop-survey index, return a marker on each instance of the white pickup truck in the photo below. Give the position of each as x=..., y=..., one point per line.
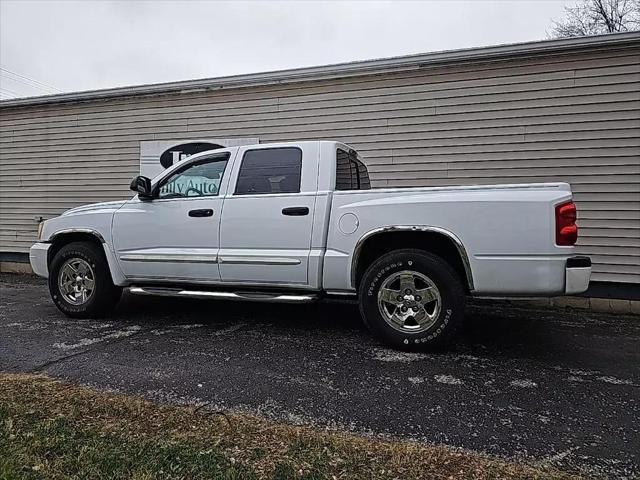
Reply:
x=296, y=222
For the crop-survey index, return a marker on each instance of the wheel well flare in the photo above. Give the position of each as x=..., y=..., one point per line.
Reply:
x=60, y=239
x=434, y=240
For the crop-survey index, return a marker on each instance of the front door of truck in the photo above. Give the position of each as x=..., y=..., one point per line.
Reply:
x=267, y=219
x=175, y=236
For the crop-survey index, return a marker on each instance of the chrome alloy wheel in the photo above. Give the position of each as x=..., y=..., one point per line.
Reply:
x=76, y=281
x=409, y=301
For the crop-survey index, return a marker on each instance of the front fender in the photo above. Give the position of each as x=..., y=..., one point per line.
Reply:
x=86, y=225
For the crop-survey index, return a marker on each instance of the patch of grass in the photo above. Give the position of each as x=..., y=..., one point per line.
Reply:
x=54, y=447
x=53, y=430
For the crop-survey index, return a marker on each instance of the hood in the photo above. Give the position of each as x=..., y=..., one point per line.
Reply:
x=95, y=207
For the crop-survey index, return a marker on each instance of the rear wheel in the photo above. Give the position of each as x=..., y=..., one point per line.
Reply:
x=412, y=299
x=80, y=282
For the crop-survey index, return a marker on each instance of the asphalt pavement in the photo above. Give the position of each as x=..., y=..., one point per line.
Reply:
x=551, y=387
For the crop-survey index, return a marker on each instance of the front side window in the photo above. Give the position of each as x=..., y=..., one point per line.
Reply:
x=200, y=179
x=351, y=174
x=270, y=170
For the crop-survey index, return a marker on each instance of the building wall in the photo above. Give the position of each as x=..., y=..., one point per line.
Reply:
x=571, y=117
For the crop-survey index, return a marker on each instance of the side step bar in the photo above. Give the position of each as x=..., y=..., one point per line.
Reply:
x=222, y=295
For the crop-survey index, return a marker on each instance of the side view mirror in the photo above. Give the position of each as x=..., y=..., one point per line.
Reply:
x=142, y=185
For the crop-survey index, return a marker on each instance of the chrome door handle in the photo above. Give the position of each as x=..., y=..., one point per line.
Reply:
x=203, y=212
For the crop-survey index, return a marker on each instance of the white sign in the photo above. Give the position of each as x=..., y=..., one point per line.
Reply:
x=156, y=155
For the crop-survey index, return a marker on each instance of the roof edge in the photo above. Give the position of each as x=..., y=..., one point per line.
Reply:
x=355, y=68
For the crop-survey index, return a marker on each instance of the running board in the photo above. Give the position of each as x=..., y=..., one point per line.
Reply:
x=221, y=295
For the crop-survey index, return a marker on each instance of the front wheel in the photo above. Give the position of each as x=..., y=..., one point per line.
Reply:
x=80, y=283
x=411, y=299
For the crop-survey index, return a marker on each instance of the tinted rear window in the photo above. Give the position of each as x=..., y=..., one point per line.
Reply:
x=351, y=173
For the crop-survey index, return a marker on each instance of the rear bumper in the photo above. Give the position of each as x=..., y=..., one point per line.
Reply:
x=577, y=275
x=530, y=275
x=38, y=255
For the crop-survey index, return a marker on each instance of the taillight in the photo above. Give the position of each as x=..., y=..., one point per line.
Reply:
x=566, y=228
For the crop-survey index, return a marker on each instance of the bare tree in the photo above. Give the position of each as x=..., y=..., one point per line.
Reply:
x=593, y=17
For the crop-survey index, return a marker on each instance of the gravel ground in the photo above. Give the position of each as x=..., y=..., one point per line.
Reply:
x=548, y=386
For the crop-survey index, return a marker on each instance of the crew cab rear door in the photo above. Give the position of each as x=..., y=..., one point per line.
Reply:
x=267, y=218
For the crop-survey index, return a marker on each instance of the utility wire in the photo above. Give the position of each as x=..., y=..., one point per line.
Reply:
x=8, y=92
x=21, y=83
x=29, y=79
x=34, y=83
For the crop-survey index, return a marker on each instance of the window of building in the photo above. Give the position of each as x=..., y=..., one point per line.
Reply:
x=351, y=173
x=199, y=179
x=270, y=170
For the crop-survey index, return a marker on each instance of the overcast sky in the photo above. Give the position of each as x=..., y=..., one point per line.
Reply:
x=87, y=45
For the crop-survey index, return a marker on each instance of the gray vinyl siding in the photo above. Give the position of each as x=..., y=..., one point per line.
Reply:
x=571, y=117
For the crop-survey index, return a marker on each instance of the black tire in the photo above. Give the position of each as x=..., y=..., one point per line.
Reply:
x=105, y=294
x=445, y=324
